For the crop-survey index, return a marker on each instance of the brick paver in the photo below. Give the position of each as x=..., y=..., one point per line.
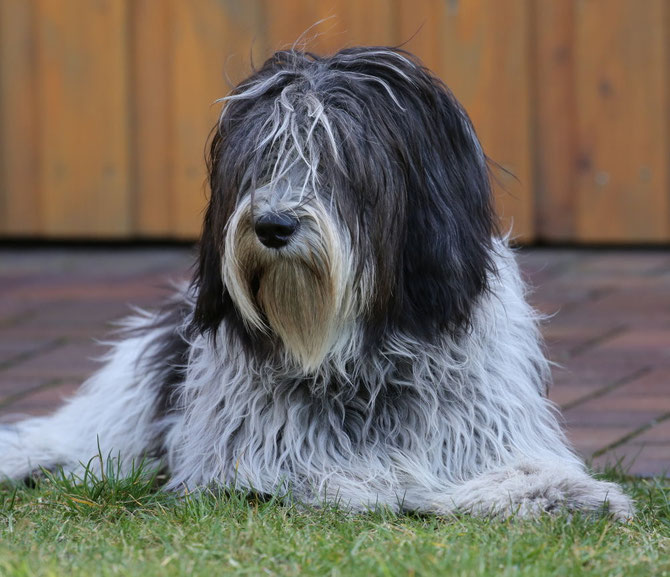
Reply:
x=608, y=331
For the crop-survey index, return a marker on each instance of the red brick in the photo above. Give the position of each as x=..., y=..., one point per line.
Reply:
x=652, y=384
x=657, y=434
x=14, y=309
x=636, y=459
x=14, y=349
x=75, y=360
x=612, y=321
x=620, y=263
x=651, y=306
x=77, y=314
x=41, y=402
x=567, y=340
x=597, y=372
x=588, y=440
x=112, y=290
x=656, y=339
x=13, y=385
x=655, y=405
x=589, y=415
x=569, y=394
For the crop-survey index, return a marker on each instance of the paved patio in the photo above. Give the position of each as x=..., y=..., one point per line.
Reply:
x=610, y=334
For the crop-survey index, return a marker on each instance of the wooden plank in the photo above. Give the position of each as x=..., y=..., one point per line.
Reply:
x=418, y=28
x=373, y=22
x=82, y=156
x=212, y=43
x=212, y=34
x=152, y=138
x=555, y=121
x=19, y=196
x=81, y=51
x=622, y=93
x=303, y=23
x=326, y=27
x=481, y=49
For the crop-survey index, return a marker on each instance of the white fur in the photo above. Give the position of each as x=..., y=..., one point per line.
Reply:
x=470, y=430
x=112, y=413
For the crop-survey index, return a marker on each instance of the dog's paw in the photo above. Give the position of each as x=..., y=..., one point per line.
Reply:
x=23, y=452
x=13, y=463
x=533, y=489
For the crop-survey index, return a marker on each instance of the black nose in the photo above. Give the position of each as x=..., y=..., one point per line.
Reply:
x=274, y=230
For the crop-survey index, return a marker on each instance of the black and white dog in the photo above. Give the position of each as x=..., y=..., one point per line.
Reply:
x=355, y=331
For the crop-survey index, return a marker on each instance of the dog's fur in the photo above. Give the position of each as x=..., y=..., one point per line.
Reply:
x=385, y=355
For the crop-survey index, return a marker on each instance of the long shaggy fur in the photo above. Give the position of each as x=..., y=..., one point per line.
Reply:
x=384, y=354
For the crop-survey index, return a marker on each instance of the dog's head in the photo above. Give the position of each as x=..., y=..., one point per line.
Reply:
x=349, y=195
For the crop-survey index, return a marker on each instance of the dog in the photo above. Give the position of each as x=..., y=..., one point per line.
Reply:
x=356, y=330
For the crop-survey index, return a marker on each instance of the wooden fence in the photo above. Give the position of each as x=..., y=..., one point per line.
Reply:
x=105, y=105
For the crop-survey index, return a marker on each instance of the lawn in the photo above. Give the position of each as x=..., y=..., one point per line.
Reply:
x=110, y=526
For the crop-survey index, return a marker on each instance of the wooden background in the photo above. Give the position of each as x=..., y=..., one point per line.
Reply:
x=105, y=105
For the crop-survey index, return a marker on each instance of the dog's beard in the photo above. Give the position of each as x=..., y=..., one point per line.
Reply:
x=298, y=294
x=299, y=304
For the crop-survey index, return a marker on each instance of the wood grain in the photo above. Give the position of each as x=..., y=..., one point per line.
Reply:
x=481, y=49
x=555, y=121
x=20, y=209
x=326, y=27
x=83, y=102
x=106, y=105
x=152, y=109
x=212, y=42
x=622, y=97
x=374, y=22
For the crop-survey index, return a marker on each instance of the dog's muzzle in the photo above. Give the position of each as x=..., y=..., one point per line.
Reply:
x=275, y=230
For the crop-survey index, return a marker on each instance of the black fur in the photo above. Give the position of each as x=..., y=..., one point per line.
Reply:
x=411, y=177
x=166, y=354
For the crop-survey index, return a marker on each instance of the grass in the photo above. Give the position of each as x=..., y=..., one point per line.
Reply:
x=125, y=526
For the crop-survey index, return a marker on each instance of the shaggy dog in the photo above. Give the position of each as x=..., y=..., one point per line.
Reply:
x=355, y=331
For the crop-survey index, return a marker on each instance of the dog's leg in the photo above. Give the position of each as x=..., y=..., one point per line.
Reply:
x=114, y=414
x=528, y=489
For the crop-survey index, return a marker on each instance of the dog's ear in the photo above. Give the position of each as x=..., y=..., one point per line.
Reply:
x=207, y=283
x=449, y=219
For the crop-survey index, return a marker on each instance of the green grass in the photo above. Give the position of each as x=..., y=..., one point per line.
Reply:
x=114, y=526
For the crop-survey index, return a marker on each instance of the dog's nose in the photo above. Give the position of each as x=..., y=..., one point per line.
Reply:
x=274, y=229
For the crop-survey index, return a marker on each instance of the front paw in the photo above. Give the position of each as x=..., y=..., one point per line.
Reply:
x=533, y=489
x=22, y=453
x=13, y=463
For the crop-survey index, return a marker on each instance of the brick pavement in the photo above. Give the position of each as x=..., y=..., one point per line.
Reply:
x=609, y=332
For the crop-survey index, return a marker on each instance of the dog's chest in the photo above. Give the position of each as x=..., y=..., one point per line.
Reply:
x=299, y=417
